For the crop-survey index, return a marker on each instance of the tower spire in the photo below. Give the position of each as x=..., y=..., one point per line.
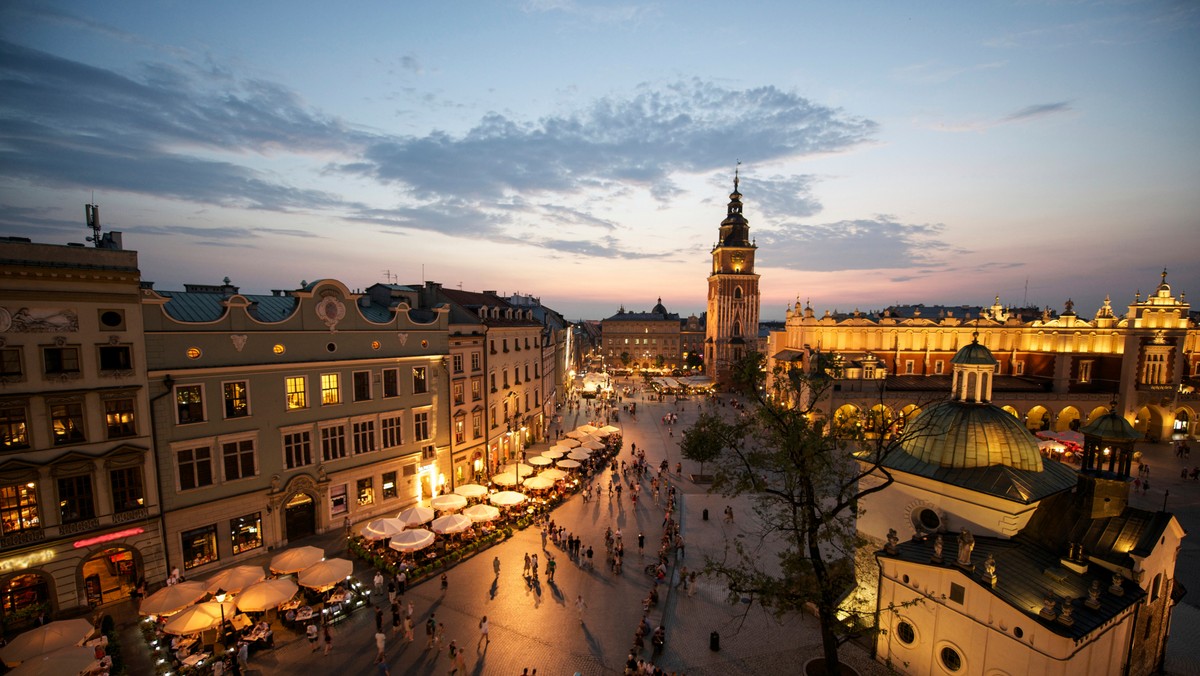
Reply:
x=737, y=169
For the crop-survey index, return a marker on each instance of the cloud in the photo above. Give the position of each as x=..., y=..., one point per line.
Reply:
x=934, y=72
x=880, y=243
x=1028, y=113
x=779, y=198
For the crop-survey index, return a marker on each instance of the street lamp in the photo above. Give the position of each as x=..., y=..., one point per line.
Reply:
x=219, y=597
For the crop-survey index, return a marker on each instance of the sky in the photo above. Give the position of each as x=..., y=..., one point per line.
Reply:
x=584, y=152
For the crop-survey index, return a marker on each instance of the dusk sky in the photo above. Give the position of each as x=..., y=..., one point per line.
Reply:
x=583, y=152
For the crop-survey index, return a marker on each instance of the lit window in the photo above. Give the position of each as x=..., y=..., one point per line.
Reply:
x=296, y=396
x=118, y=418
x=388, y=481
x=19, y=507
x=237, y=399
x=418, y=378
x=331, y=392
x=193, y=353
x=246, y=532
x=14, y=432
x=66, y=421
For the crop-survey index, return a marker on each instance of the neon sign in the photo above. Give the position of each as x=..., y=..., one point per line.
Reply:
x=22, y=562
x=108, y=537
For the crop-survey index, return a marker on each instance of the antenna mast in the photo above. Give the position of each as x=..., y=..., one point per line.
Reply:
x=92, y=212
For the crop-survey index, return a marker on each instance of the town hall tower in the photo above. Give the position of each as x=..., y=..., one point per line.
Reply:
x=732, y=324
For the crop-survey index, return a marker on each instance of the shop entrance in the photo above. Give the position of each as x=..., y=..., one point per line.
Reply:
x=300, y=517
x=110, y=575
x=24, y=599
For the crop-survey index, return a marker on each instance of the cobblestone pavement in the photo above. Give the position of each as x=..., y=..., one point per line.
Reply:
x=537, y=626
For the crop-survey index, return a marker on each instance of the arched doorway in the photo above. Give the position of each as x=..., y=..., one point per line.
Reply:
x=1181, y=428
x=1068, y=419
x=23, y=598
x=110, y=575
x=1097, y=413
x=299, y=517
x=1038, y=418
x=1011, y=411
x=1150, y=422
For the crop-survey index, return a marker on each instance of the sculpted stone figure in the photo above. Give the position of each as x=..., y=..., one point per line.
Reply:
x=966, y=545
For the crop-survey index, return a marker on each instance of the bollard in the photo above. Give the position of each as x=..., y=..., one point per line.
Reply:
x=706, y=514
x=714, y=641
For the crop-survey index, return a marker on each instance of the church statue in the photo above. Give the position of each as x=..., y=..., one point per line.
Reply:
x=1118, y=585
x=1066, y=617
x=989, y=569
x=966, y=545
x=938, y=544
x=1093, y=599
x=321, y=476
x=1048, y=607
x=892, y=541
x=274, y=483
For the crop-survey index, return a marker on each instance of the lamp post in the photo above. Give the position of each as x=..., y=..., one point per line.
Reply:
x=219, y=597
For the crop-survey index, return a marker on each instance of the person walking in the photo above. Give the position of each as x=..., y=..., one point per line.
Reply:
x=496, y=566
x=380, y=644
x=328, y=641
x=401, y=581
x=550, y=566
x=408, y=630
x=641, y=543
x=379, y=619
x=525, y=570
x=312, y=634
x=430, y=631
x=445, y=583
x=381, y=667
x=483, y=633
x=395, y=618
x=378, y=582
x=580, y=605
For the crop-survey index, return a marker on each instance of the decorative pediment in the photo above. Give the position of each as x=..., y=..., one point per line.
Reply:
x=18, y=471
x=73, y=463
x=125, y=456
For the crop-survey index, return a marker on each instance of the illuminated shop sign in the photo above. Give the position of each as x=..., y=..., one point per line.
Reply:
x=23, y=562
x=108, y=537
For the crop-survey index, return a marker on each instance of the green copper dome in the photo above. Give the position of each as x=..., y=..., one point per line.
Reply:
x=974, y=354
x=1111, y=427
x=965, y=435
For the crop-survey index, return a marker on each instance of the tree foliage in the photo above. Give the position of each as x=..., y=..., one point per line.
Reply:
x=804, y=480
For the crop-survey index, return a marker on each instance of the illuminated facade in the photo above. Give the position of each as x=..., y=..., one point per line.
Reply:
x=79, y=504
x=279, y=416
x=1054, y=372
x=642, y=340
x=733, y=300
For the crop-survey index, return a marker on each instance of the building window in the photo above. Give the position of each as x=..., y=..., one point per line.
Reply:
x=364, y=436
x=238, y=459
x=189, y=404
x=61, y=361
x=475, y=361
x=297, y=396
x=458, y=394
x=957, y=592
x=493, y=377
x=366, y=491
x=362, y=386
x=10, y=363
x=14, y=430
x=66, y=421
x=392, y=431
x=19, y=507
x=337, y=500
x=118, y=418
x=237, y=399
x=388, y=482
x=331, y=390
x=199, y=546
x=127, y=491
x=25, y=594
x=909, y=367
x=391, y=382
x=951, y=659
x=297, y=449
x=1154, y=371
x=492, y=416
x=195, y=467
x=421, y=426
x=476, y=425
x=246, y=532
x=115, y=358
x=1019, y=368
x=460, y=431
x=1085, y=370
x=939, y=366
x=905, y=632
x=457, y=362
x=418, y=380
x=476, y=390
x=76, y=501
x=333, y=442
x=428, y=453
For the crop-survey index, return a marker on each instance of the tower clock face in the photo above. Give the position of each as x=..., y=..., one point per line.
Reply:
x=738, y=261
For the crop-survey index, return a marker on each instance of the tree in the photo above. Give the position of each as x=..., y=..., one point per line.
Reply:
x=804, y=480
x=694, y=360
x=625, y=359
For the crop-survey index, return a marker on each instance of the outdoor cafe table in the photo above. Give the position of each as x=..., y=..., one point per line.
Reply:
x=193, y=660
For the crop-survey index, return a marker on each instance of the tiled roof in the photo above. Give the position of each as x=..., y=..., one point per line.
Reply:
x=1018, y=485
x=1066, y=518
x=194, y=306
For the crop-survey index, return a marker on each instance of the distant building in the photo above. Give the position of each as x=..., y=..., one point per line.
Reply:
x=642, y=340
x=79, y=500
x=731, y=321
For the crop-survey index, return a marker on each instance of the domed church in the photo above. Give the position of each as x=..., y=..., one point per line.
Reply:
x=999, y=561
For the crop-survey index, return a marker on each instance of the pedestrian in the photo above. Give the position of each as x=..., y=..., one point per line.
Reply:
x=395, y=618
x=408, y=630
x=641, y=543
x=525, y=570
x=430, y=631
x=496, y=565
x=401, y=581
x=312, y=633
x=1145, y=486
x=379, y=619
x=328, y=641
x=381, y=667
x=438, y=637
x=378, y=582
x=579, y=606
x=380, y=644
x=243, y=654
x=728, y=514
x=589, y=556
x=391, y=591
x=550, y=566
x=409, y=611
x=452, y=653
x=483, y=632
x=445, y=583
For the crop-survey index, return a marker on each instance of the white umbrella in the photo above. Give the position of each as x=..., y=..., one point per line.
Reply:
x=44, y=639
x=593, y=445
x=448, y=502
x=568, y=443
x=382, y=529
x=451, y=523
x=325, y=574
x=554, y=474
x=538, y=483
x=541, y=461
x=415, y=516
x=576, y=434
x=518, y=468
x=587, y=429
x=73, y=660
x=507, y=498
x=608, y=429
x=505, y=479
x=471, y=490
x=569, y=464
x=173, y=598
x=267, y=594
x=479, y=513
x=578, y=454
x=235, y=579
x=412, y=540
x=200, y=617
x=296, y=559
x=555, y=453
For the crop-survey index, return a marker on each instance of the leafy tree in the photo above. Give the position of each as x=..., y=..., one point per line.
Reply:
x=694, y=360
x=625, y=359
x=804, y=480
x=659, y=361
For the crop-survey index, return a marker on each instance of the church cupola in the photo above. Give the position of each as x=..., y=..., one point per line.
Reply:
x=735, y=229
x=973, y=367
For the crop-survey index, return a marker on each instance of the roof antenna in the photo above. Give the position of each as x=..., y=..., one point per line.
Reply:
x=92, y=212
